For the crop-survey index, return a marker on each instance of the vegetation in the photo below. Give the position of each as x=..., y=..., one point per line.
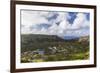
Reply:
x=44, y=48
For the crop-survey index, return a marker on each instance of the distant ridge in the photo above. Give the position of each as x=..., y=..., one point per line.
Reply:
x=70, y=38
x=41, y=37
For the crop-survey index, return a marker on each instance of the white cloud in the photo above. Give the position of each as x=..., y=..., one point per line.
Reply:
x=34, y=18
x=80, y=21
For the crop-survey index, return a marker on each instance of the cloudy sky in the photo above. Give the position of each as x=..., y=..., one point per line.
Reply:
x=55, y=23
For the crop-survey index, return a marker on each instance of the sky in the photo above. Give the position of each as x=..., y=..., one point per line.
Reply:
x=55, y=23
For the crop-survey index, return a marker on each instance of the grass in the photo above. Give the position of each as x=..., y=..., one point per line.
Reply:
x=56, y=57
x=38, y=60
x=80, y=56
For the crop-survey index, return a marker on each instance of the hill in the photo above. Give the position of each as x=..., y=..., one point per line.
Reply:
x=34, y=41
x=84, y=39
x=42, y=48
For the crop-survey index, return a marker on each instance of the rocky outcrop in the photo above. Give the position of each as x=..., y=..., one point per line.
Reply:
x=84, y=39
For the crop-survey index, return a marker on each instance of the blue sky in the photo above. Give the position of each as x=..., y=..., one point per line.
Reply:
x=55, y=23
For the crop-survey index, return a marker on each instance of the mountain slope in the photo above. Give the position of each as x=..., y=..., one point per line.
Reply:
x=34, y=41
x=37, y=41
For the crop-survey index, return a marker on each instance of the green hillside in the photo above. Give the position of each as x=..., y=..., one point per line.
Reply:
x=44, y=48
